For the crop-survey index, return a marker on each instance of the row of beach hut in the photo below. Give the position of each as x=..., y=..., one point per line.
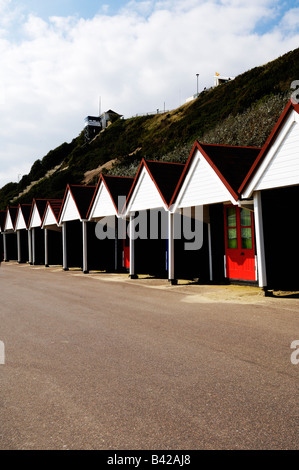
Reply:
x=227, y=215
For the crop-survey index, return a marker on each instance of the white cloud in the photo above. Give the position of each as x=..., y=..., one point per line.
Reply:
x=290, y=21
x=53, y=73
x=143, y=8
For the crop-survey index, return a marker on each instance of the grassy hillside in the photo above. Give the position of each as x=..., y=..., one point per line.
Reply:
x=241, y=112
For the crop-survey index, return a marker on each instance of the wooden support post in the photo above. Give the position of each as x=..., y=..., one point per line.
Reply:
x=19, y=246
x=29, y=246
x=5, y=247
x=46, y=248
x=171, y=277
x=116, y=245
x=259, y=235
x=84, y=242
x=33, y=247
x=132, y=247
x=64, y=247
x=210, y=252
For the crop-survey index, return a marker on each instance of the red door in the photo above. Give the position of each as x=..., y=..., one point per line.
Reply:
x=126, y=258
x=239, y=244
x=126, y=248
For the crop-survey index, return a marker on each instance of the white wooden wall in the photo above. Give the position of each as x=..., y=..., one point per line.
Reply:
x=49, y=218
x=283, y=169
x=201, y=186
x=70, y=211
x=35, y=218
x=145, y=194
x=103, y=205
x=8, y=223
x=20, y=223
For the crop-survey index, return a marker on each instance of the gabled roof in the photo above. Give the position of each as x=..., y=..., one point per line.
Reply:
x=110, y=111
x=116, y=186
x=12, y=213
x=165, y=176
x=82, y=196
x=40, y=205
x=55, y=205
x=291, y=106
x=25, y=209
x=230, y=163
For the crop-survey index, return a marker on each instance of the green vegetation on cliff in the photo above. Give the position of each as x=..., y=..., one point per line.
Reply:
x=240, y=112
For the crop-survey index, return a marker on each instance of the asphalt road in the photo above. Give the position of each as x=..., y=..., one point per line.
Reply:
x=104, y=362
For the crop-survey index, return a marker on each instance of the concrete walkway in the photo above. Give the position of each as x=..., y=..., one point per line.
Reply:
x=100, y=361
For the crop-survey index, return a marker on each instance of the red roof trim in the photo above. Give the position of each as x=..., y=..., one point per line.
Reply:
x=32, y=205
x=143, y=163
x=269, y=142
x=45, y=213
x=34, y=200
x=197, y=146
x=103, y=178
x=219, y=174
x=63, y=201
x=12, y=221
x=5, y=219
x=95, y=193
x=49, y=204
x=69, y=188
x=105, y=183
x=20, y=207
x=134, y=183
x=185, y=171
x=154, y=181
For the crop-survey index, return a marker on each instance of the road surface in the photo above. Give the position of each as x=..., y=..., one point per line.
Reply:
x=100, y=361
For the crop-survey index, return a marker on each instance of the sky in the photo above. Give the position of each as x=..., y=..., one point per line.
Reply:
x=62, y=60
